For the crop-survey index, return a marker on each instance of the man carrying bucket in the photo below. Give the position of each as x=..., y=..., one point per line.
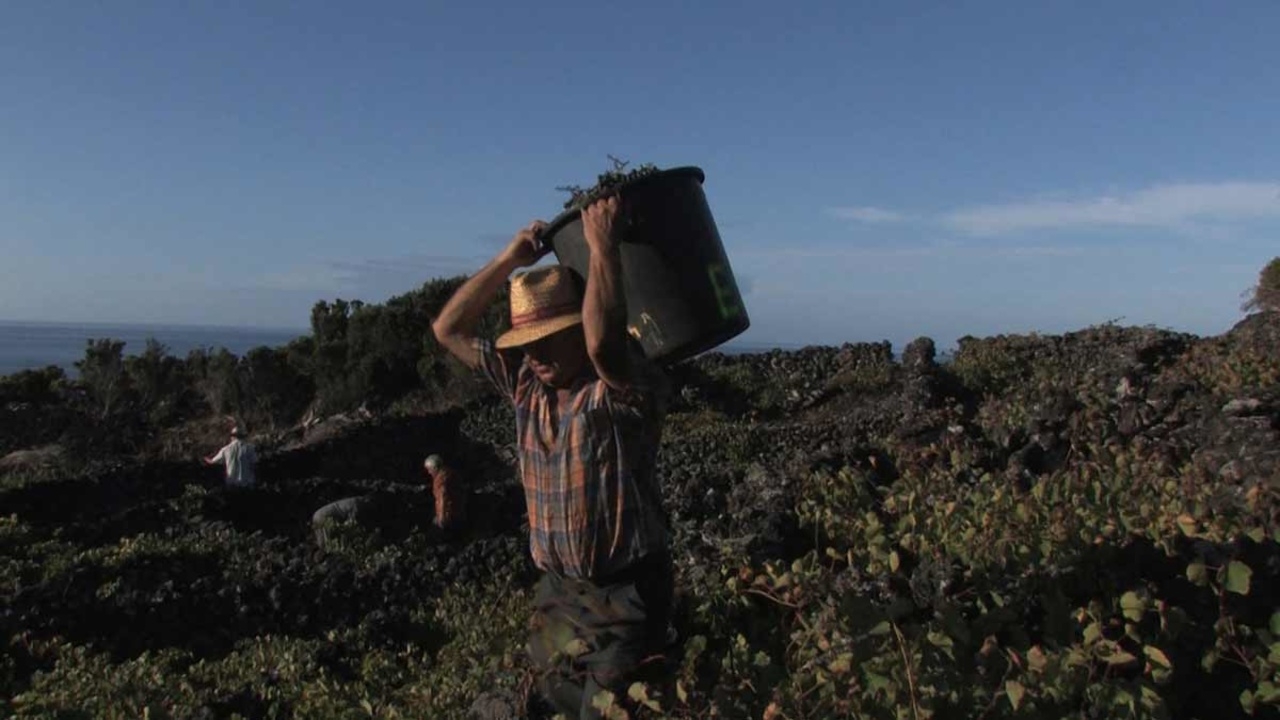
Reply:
x=589, y=413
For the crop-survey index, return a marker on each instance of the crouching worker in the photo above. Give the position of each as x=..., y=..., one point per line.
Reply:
x=385, y=511
x=358, y=511
x=589, y=410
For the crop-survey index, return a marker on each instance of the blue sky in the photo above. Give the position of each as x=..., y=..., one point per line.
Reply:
x=877, y=170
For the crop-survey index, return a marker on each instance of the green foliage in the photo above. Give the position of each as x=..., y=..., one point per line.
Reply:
x=102, y=415
x=865, y=368
x=1116, y=587
x=34, y=408
x=208, y=618
x=987, y=366
x=606, y=182
x=334, y=675
x=932, y=598
x=774, y=383
x=276, y=390
x=329, y=360
x=1266, y=294
x=159, y=381
x=746, y=387
x=1230, y=365
x=359, y=356
x=103, y=375
x=377, y=354
x=215, y=377
x=38, y=387
x=1130, y=576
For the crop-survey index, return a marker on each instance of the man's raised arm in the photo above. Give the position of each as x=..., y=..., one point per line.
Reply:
x=455, y=327
x=604, y=309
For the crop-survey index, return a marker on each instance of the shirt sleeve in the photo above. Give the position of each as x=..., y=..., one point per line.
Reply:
x=222, y=454
x=498, y=367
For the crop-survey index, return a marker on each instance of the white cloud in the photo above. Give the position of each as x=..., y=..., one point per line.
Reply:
x=868, y=214
x=1162, y=206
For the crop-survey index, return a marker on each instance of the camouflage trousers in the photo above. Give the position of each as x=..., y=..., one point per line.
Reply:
x=588, y=637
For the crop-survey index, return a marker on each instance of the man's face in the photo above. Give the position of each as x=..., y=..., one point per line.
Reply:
x=559, y=358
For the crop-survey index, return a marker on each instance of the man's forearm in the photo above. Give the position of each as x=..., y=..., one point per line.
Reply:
x=604, y=310
x=456, y=324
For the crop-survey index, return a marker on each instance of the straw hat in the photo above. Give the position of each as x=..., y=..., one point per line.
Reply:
x=543, y=301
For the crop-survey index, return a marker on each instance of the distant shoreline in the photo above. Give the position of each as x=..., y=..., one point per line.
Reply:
x=30, y=345
x=34, y=344
x=175, y=326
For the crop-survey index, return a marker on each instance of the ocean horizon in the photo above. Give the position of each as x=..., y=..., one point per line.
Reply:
x=30, y=345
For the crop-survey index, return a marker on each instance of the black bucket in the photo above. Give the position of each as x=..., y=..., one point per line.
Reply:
x=682, y=298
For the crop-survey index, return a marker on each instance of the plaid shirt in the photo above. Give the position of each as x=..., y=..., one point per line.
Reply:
x=589, y=483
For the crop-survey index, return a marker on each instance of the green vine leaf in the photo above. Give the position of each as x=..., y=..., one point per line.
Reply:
x=1157, y=657
x=1158, y=664
x=1198, y=574
x=1239, y=576
x=619, y=175
x=640, y=693
x=607, y=703
x=1187, y=525
x=1209, y=661
x=1133, y=606
x=1247, y=701
x=877, y=683
x=1015, y=691
x=576, y=647
x=1036, y=659
x=1121, y=657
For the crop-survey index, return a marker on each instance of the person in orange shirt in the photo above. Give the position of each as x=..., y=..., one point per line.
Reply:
x=450, y=496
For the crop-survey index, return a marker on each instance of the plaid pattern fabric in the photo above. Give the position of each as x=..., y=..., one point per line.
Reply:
x=589, y=479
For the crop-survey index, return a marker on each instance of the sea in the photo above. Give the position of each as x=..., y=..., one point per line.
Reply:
x=30, y=345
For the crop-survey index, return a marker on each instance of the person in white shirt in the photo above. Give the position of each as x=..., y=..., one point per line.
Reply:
x=240, y=459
